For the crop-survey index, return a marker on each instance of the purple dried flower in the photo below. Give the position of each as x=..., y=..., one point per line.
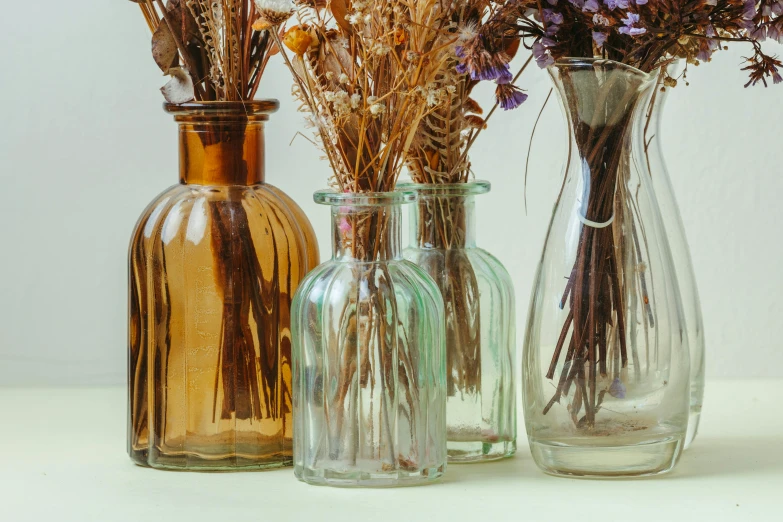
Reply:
x=705, y=52
x=617, y=389
x=632, y=19
x=553, y=17
x=543, y=59
x=773, y=33
x=599, y=38
x=629, y=29
x=505, y=75
x=632, y=31
x=749, y=9
x=479, y=63
x=614, y=4
x=776, y=77
x=591, y=6
x=642, y=2
x=509, y=96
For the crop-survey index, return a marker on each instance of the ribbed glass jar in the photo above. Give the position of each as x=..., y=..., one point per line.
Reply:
x=214, y=264
x=480, y=330
x=369, y=358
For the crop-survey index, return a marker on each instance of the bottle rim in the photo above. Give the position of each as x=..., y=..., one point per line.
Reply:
x=364, y=199
x=424, y=190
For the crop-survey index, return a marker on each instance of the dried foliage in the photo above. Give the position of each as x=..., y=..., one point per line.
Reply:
x=213, y=50
x=366, y=74
x=440, y=152
x=640, y=33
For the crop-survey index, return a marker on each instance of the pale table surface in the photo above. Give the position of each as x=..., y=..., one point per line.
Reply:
x=62, y=458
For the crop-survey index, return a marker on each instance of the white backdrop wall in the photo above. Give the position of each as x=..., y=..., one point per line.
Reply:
x=85, y=145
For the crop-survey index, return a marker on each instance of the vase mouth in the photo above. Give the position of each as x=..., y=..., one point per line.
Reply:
x=573, y=63
x=470, y=188
x=248, y=110
x=364, y=199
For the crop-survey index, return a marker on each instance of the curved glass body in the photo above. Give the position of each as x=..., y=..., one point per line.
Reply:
x=681, y=254
x=606, y=362
x=214, y=264
x=479, y=305
x=369, y=358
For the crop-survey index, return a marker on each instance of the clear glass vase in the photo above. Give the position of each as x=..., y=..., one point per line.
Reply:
x=214, y=264
x=369, y=357
x=479, y=307
x=606, y=361
x=681, y=255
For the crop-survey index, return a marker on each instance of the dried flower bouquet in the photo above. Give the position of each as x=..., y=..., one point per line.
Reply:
x=646, y=35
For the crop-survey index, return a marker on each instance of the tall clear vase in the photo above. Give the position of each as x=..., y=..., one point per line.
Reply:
x=681, y=255
x=480, y=330
x=606, y=362
x=369, y=390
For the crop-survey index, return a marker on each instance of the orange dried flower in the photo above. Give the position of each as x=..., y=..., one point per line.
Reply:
x=298, y=40
x=400, y=36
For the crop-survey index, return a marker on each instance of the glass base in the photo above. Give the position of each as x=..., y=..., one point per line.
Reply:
x=651, y=458
x=192, y=462
x=464, y=452
x=693, y=426
x=357, y=478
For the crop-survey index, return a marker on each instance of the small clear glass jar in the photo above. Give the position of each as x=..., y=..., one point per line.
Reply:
x=480, y=330
x=369, y=389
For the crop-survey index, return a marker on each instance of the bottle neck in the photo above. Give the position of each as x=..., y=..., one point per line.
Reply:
x=443, y=222
x=221, y=152
x=370, y=233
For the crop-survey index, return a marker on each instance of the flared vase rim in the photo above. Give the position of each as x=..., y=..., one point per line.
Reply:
x=246, y=110
x=470, y=188
x=592, y=63
x=364, y=199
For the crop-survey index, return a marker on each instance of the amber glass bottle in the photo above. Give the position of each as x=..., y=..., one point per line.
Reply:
x=214, y=264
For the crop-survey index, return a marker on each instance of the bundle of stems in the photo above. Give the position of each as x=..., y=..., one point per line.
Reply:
x=216, y=51
x=597, y=288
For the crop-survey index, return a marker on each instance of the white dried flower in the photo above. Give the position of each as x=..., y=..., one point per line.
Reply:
x=340, y=101
x=272, y=13
x=376, y=107
x=381, y=49
x=355, y=100
x=343, y=78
